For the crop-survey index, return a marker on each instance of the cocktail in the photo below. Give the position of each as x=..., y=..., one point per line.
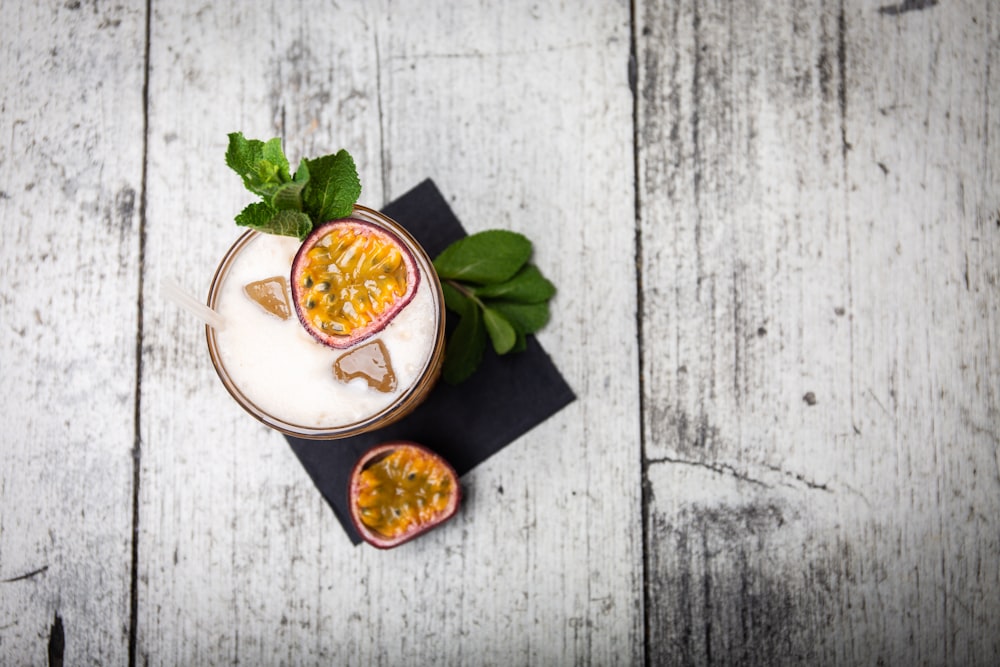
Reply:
x=334, y=336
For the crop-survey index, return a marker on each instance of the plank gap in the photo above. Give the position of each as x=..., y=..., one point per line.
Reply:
x=137, y=406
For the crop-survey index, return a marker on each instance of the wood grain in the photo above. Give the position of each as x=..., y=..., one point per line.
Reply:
x=819, y=193
x=779, y=305
x=70, y=267
x=507, y=108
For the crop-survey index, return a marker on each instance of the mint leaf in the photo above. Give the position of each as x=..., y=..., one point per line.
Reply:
x=302, y=173
x=525, y=317
x=256, y=216
x=288, y=196
x=501, y=331
x=291, y=223
x=333, y=187
x=263, y=218
x=242, y=155
x=528, y=286
x=320, y=190
x=487, y=281
x=263, y=167
x=521, y=343
x=455, y=300
x=464, y=350
x=488, y=257
x=273, y=155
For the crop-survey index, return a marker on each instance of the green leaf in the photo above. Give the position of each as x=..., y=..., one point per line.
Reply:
x=242, y=155
x=288, y=196
x=454, y=300
x=526, y=318
x=333, y=187
x=521, y=344
x=273, y=154
x=493, y=256
x=263, y=167
x=291, y=223
x=528, y=286
x=302, y=173
x=501, y=331
x=263, y=218
x=322, y=189
x=464, y=350
x=256, y=216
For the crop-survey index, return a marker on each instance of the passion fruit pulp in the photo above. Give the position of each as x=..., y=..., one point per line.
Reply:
x=349, y=279
x=399, y=490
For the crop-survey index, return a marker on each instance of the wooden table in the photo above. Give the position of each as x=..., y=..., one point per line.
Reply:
x=775, y=228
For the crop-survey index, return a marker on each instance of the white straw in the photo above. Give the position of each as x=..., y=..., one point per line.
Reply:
x=178, y=295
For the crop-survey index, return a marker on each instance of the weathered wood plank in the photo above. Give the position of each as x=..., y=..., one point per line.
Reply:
x=71, y=122
x=235, y=543
x=819, y=210
x=522, y=115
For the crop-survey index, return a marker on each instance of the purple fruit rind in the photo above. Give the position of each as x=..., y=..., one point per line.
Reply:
x=364, y=333
x=376, y=539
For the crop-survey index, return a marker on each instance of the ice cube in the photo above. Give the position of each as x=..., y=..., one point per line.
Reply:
x=369, y=362
x=271, y=294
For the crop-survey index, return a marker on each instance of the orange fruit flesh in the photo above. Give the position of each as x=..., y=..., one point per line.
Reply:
x=350, y=278
x=402, y=491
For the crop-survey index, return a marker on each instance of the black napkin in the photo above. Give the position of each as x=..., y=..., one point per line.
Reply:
x=466, y=424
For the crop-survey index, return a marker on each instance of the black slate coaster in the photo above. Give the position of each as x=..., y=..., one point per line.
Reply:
x=466, y=424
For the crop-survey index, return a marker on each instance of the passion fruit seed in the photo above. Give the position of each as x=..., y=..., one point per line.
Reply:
x=349, y=279
x=399, y=490
x=366, y=274
x=402, y=491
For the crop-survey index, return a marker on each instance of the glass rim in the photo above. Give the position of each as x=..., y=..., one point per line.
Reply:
x=398, y=408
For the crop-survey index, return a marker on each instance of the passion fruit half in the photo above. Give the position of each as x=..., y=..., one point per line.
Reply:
x=399, y=490
x=349, y=279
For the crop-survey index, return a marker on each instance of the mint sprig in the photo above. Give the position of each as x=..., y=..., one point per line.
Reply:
x=498, y=296
x=322, y=189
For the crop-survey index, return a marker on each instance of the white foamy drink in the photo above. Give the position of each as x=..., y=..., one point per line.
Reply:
x=286, y=378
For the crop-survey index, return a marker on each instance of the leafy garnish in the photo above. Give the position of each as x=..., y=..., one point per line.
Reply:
x=465, y=347
x=333, y=186
x=497, y=295
x=322, y=189
x=527, y=286
x=487, y=257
